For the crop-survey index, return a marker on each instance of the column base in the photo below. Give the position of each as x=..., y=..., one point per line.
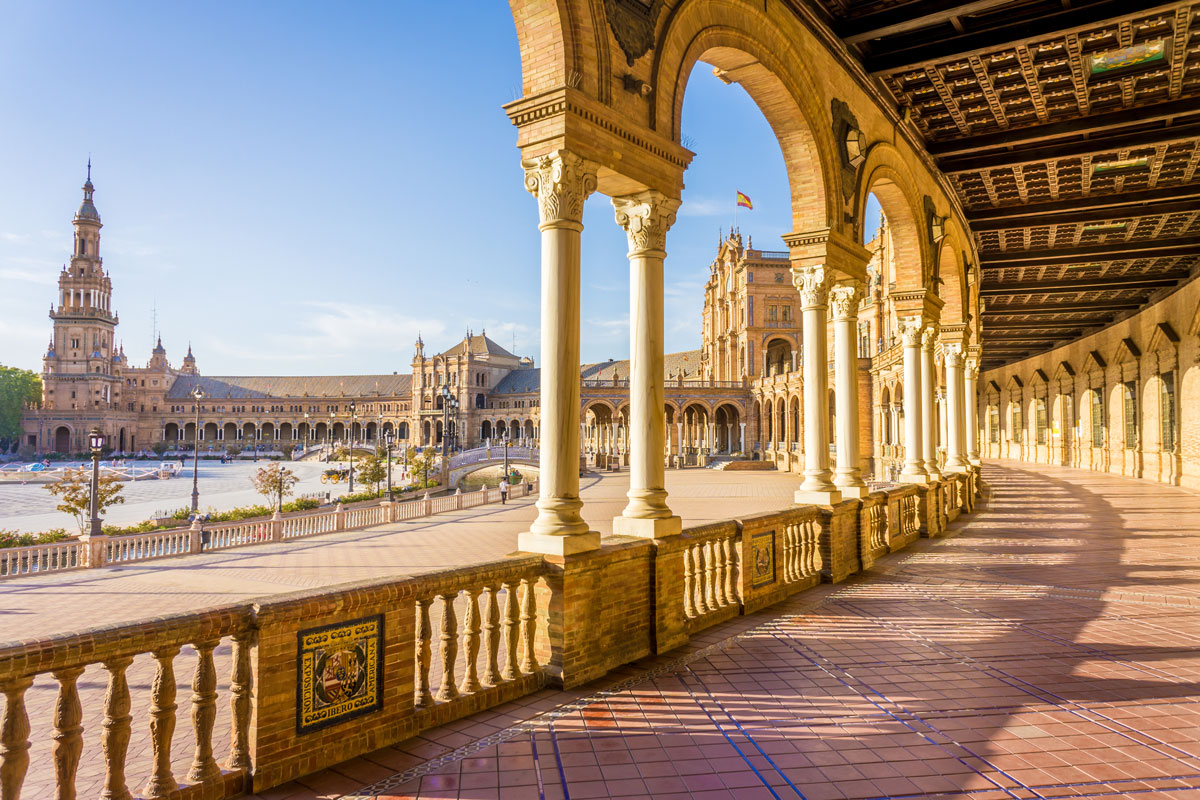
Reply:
x=854, y=491
x=550, y=544
x=975, y=461
x=956, y=469
x=647, y=528
x=818, y=497
x=913, y=477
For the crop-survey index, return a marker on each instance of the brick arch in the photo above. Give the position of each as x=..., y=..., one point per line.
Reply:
x=773, y=71
x=547, y=42
x=953, y=289
x=886, y=175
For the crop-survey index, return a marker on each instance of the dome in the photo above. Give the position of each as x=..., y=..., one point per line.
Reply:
x=159, y=350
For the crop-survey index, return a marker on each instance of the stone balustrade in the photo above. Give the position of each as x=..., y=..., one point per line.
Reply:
x=104, y=550
x=434, y=648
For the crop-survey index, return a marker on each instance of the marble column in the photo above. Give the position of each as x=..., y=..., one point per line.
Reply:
x=928, y=406
x=845, y=299
x=818, y=486
x=742, y=437
x=971, y=403
x=955, y=440
x=560, y=181
x=646, y=217
x=914, y=463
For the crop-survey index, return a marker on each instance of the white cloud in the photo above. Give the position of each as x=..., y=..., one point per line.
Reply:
x=45, y=278
x=706, y=207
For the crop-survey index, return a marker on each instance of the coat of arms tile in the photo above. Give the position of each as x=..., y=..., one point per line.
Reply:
x=339, y=672
x=762, y=558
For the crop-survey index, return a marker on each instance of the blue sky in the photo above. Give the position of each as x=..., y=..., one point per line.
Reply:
x=299, y=188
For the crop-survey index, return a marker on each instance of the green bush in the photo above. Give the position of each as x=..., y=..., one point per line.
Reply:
x=15, y=539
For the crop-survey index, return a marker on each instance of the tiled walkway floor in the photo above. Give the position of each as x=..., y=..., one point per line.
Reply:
x=1050, y=649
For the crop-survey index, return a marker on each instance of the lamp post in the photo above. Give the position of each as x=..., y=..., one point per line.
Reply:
x=353, y=417
x=308, y=437
x=329, y=434
x=388, y=446
x=445, y=418
x=506, y=454
x=454, y=420
x=197, y=395
x=96, y=443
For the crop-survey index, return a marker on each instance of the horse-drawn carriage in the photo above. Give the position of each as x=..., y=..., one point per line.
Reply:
x=335, y=475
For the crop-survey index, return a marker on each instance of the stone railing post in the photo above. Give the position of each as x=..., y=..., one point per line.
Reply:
x=97, y=549
x=458, y=498
x=426, y=506
x=195, y=535
x=339, y=518
x=277, y=527
x=389, y=510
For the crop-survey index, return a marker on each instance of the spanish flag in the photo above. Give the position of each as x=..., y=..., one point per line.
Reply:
x=744, y=201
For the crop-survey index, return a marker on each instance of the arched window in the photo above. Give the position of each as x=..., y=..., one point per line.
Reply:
x=1041, y=422
x=1131, y=415
x=1097, y=408
x=1017, y=425
x=1166, y=397
x=994, y=424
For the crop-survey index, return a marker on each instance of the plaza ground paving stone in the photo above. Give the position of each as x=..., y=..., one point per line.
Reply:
x=49, y=604
x=1049, y=648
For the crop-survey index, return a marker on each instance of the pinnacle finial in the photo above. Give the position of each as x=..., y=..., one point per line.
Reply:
x=89, y=169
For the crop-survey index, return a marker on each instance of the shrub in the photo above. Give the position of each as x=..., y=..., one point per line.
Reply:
x=14, y=539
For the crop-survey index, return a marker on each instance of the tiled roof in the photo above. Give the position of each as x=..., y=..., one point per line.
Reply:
x=282, y=386
x=519, y=381
x=477, y=344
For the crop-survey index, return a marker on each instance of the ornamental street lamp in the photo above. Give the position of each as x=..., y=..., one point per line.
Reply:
x=308, y=437
x=329, y=435
x=506, y=454
x=353, y=417
x=96, y=443
x=445, y=419
x=197, y=395
x=388, y=445
x=454, y=424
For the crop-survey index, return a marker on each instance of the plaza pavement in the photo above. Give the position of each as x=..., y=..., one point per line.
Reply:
x=1049, y=648
x=30, y=508
x=44, y=605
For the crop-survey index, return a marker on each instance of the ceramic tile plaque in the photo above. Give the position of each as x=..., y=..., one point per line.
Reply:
x=762, y=558
x=339, y=672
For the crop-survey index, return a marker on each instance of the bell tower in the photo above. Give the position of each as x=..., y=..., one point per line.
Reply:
x=79, y=372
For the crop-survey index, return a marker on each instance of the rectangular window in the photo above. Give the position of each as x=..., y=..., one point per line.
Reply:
x=1097, y=419
x=994, y=424
x=1041, y=421
x=1017, y=425
x=773, y=313
x=786, y=312
x=1167, y=411
x=1131, y=415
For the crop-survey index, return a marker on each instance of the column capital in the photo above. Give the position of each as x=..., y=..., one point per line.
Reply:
x=972, y=369
x=929, y=336
x=561, y=181
x=911, y=329
x=954, y=355
x=813, y=285
x=646, y=218
x=845, y=298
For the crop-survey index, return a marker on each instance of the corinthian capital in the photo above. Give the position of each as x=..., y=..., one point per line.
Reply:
x=910, y=330
x=954, y=355
x=972, y=369
x=929, y=336
x=813, y=284
x=646, y=218
x=845, y=299
x=561, y=181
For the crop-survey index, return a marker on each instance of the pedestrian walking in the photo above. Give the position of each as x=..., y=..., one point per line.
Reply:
x=503, y=490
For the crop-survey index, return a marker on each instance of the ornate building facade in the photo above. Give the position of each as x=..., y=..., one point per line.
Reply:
x=741, y=391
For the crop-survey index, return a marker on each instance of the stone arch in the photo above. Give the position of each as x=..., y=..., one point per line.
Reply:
x=952, y=287
x=171, y=432
x=887, y=175
x=62, y=439
x=744, y=44
x=231, y=431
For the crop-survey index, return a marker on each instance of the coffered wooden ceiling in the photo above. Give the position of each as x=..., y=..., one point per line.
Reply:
x=1071, y=132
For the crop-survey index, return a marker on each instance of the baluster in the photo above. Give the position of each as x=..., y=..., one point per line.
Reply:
x=789, y=551
x=162, y=724
x=719, y=583
x=239, y=704
x=512, y=631
x=424, y=698
x=14, y=738
x=528, y=621
x=470, y=681
x=689, y=586
x=709, y=603
x=68, y=732
x=698, y=570
x=730, y=567
x=204, y=714
x=449, y=648
x=491, y=642
x=116, y=726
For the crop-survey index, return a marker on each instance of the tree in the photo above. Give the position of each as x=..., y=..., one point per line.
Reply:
x=232, y=450
x=74, y=488
x=18, y=387
x=372, y=469
x=274, y=482
x=160, y=448
x=422, y=463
